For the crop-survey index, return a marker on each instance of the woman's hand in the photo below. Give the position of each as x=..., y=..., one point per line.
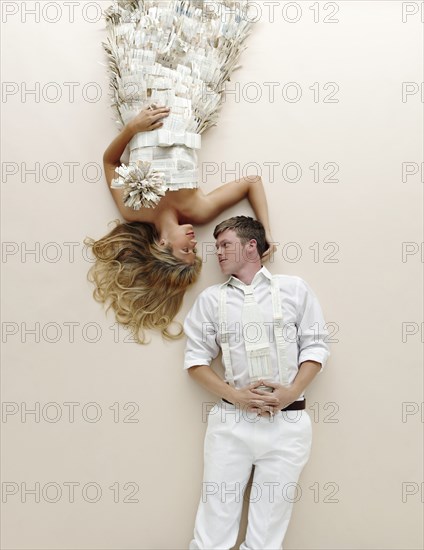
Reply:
x=149, y=119
x=269, y=252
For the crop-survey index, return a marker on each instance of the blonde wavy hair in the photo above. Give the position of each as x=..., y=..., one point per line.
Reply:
x=143, y=282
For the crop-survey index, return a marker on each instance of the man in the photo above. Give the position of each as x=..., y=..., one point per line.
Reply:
x=271, y=332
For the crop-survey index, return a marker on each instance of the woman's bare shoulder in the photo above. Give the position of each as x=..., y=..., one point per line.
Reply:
x=193, y=206
x=190, y=205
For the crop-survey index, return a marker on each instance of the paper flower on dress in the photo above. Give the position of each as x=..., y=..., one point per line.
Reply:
x=143, y=187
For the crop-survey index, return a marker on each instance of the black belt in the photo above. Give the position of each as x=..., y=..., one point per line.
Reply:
x=295, y=406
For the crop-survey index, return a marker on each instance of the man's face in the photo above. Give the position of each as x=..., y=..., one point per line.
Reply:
x=232, y=254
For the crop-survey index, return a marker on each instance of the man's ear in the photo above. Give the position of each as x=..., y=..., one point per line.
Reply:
x=252, y=248
x=253, y=243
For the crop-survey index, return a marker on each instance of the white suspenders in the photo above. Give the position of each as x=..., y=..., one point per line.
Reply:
x=279, y=332
x=255, y=355
x=223, y=327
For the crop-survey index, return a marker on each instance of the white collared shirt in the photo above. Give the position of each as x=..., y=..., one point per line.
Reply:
x=304, y=326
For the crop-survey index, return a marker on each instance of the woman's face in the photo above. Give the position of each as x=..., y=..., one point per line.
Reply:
x=183, y=242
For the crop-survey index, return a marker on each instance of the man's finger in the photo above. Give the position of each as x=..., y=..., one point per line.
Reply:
x=256, y=384
x=263, y=392
x=269, y=402
x=272, y=384
x=267, y=396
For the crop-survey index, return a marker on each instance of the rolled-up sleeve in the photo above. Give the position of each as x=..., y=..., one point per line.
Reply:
x=201, y=329
x=312, y=332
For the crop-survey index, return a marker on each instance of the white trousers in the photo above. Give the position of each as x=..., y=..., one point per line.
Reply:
x=235, y=440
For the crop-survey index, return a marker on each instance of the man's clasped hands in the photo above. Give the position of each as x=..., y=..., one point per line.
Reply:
x=264, y=402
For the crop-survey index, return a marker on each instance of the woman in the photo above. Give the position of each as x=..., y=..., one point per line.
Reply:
x=144, y=266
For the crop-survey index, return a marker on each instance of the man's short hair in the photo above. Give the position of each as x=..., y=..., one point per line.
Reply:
x=246, y=228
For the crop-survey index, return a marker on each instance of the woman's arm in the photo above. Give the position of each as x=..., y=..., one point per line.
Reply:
x=207, y=207
x=112, y=155
x=145, y=121
x=111, y=160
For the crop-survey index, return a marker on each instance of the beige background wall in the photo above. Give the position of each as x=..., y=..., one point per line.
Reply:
x=132, y=450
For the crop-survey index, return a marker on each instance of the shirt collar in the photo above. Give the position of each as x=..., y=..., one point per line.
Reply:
x=262, y=273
